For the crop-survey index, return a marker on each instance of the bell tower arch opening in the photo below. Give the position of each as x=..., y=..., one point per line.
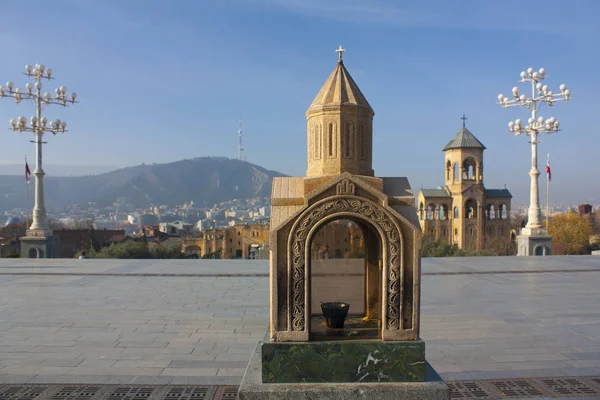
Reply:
x=469, y=167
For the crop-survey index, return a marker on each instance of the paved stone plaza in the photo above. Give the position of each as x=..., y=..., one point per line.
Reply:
x=197, y=321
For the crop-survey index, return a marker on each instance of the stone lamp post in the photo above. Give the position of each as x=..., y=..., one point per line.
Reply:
x=38, y=241
x=534, y=238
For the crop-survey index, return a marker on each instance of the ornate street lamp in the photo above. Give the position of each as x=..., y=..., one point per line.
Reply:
x=39, y=125
x=534, y=239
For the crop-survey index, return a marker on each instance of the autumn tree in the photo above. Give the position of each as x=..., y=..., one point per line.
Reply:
x=500, y=246
x=570, y=233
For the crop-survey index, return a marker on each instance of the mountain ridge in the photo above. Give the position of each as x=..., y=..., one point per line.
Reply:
x=204, y=180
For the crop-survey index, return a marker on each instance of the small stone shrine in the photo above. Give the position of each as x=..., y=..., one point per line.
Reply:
x=324, y=353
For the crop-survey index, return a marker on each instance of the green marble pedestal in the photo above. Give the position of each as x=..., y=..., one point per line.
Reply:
x=343, y=361
x=253, y=388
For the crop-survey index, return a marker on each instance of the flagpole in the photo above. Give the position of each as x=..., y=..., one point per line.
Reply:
x=26, y=198
x=548, y=196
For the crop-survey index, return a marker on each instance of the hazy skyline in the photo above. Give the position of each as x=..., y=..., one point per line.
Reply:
x=162, y=81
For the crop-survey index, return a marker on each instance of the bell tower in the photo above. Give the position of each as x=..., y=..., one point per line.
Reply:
x=340, y=127
x=464, y=160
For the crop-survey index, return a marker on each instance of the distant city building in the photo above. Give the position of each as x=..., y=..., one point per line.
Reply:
x=177, y=228
x=72, y=241
x=67, y=222
x=239, y=241
x=464, y=212
x=204, y=224
x=13, y=220
x=147, y=219
x=133, y=218
x=103, y=224
x=585, y=209
x=339, y=239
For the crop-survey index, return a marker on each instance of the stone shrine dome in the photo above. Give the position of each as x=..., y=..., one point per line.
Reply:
x=339, y=90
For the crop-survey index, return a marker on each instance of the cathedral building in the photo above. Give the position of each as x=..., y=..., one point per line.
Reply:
x=464, y=212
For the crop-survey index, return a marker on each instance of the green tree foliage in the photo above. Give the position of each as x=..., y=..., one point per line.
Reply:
x=570, y=233
x=12, y=254
x=163, y=252
x=500, y=246
x=214, y=255
x=94, y=245
x=434, y=248
x=130, y=249
x=137, y=250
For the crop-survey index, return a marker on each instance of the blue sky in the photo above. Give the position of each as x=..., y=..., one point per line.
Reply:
x=160, y=81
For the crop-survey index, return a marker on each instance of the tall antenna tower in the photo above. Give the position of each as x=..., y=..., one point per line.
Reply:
x=240, y=144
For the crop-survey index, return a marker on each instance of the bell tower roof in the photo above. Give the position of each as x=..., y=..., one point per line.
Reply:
x=339, y=90
x=464, y=139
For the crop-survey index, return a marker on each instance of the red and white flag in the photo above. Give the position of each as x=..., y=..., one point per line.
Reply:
x=27, y=171
x=548, y=172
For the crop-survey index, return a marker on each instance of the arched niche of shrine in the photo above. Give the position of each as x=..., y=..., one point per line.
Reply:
x=343, y=267
x=398, y=241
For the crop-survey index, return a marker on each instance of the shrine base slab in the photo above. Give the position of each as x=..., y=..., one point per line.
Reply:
x=343, y=361
x=253, y=388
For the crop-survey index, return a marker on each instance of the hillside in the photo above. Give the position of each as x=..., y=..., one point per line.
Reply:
x=206, y=181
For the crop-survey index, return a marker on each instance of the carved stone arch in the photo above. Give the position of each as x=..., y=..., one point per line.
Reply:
x=430, y=213
x=470, y=208
x=351, y=207
x=33, y=253
x=471, y=231
x=443, y=212
x=539, y=250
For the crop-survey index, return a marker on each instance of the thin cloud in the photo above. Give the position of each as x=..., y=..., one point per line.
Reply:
x=553, y=18
x=355, y=11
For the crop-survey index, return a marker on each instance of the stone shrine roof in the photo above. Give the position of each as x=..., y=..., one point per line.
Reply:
x=497, y=193
x=464, y=139
x=339, y=89
x=435, y=193
x=398, y=189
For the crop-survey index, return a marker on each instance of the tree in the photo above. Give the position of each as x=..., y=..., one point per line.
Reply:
x=570, y=233
x=433, y=248
x=518, y=221
x=15, y=230
x=83, y=223
x=214, y=255
x=94, y=245
x=499, y=246
x=137, y=250
x=144, y=237
x=170, y=252
x=55, y=224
